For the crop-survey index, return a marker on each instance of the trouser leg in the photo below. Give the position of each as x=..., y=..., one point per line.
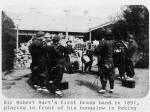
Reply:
x=98, y=64
x=103, y=79
x=130, y=68
x=47, y=75
x=33, y=72
x=67, y=63
x=111, y=78
x=86, y=66
x=59, y=70
x=35, y=75
x=34, y=78
x=98, y=68
x=90, y=65
x=120, y=63
x=42, y=74
x=121, y=69
x=58, y=75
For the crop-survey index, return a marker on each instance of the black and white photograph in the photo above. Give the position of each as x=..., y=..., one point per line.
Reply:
x=74, y=49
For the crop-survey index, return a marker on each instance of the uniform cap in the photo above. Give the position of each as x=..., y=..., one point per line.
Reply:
x=56, y=38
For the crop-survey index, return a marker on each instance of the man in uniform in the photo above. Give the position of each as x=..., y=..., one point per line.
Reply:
x=120, y=47
x=131, y=50
x=56, y=63
x=98, y=53
x=69, y=47
x=70, y=50
x=88, y=65
x=106, y=65
x=38, y=65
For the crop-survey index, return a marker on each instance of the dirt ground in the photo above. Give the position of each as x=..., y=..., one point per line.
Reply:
x=80, y=86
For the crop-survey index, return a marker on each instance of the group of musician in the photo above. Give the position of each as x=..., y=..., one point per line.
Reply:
x=48, y=62
x=50, y=59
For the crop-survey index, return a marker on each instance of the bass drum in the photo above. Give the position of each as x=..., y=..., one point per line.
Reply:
x=72, y=63
x=73, y=58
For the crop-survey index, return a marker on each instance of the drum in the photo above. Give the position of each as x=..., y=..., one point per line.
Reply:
x=73, y=58
x=86, y=59
x=72, y=63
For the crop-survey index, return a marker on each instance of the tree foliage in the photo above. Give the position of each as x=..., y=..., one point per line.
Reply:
x=8, y=42
x=135, y=21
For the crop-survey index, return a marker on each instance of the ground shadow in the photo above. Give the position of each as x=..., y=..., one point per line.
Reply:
x=91, y=85
x=95, y=87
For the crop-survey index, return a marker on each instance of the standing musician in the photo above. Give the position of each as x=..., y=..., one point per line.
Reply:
x=98, y=53
x=123, y=56
x=132, y=47
x=119, y=56
x=107, y=65
x=56, y=63
x=39, y=60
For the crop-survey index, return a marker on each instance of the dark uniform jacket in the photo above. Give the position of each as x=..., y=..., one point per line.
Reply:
x=106, y=53
x=69, y=49
x=38, y=52
x=89, y=53
x=39, y=59
x=56, y=54
x=97, y=50
x=131, y=50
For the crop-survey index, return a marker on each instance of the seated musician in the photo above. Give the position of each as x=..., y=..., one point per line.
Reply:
x=89, y=61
